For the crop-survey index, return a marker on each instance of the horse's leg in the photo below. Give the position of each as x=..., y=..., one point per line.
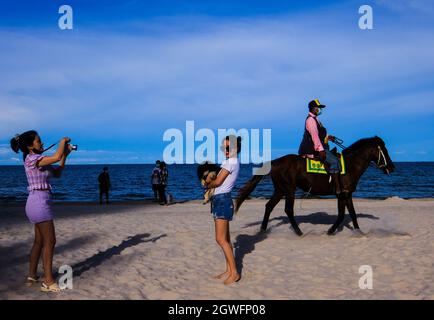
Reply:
x=268, y=208
x=350, y=207
x=289, y=210
x=341, y=215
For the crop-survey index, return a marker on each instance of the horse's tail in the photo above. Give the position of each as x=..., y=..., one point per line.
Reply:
x=246, y=190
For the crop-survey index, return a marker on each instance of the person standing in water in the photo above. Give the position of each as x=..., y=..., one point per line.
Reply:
x=222, y=207
x=38, y=206
x=104, y=185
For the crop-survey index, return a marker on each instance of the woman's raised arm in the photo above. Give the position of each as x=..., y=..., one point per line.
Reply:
x=46, y=161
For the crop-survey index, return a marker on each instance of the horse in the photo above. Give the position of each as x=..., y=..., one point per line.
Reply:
x=289, y=172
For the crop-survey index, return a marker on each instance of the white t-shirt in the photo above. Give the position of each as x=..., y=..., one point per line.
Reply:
x=233, y=166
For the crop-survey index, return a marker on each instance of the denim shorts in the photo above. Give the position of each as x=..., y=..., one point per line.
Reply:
x=222, y=206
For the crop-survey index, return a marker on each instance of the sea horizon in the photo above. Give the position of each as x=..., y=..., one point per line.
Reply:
x=152, y=163
x=131, y=182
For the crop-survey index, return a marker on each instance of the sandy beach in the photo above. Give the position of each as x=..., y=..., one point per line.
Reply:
x=147, y=251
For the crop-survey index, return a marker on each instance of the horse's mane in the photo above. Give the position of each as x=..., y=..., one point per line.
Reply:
x=356, y=146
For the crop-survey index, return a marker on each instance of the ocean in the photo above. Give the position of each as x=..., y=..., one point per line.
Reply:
x=133, y=182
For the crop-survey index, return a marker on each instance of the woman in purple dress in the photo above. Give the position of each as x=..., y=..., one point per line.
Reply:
x=38, y=207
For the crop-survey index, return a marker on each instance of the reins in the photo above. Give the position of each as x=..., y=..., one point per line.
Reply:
x=381, y=156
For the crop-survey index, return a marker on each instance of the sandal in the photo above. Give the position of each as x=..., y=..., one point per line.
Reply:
x=50, y=288
x=31, y=281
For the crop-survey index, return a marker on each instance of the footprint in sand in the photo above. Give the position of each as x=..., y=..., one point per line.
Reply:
x=383, y=233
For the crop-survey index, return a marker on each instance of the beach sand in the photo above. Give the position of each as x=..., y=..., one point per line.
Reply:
x=147, y=251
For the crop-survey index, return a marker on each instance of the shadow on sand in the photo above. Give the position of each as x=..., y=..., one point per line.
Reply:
x=103, y=256
x=14, y=214
x=245, y=244
x=316, y=218
x=18, y=253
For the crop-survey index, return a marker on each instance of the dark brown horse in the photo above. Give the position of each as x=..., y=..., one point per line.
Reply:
x=289, y=172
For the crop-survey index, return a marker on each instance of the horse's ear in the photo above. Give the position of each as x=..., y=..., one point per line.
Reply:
x=379, y=140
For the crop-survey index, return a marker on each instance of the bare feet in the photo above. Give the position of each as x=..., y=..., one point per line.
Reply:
x=222, y=275
x=232, y=278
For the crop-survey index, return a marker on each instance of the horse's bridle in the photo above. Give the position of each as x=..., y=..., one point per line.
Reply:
x=381, y=156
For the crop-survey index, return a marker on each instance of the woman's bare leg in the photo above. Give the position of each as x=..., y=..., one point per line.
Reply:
x=225, y=274
x=35, y=253
x=48, y=243
x=222, y=229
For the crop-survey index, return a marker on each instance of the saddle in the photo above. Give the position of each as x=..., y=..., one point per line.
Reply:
x=316, y=166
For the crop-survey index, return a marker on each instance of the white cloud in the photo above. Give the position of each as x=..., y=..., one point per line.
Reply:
x=258, y=71
x=4, y=150
x=420, y=6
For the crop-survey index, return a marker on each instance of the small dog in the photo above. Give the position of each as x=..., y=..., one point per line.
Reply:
x=207, y=171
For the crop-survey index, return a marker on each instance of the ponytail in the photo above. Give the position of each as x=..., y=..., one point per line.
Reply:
x=15, y=143
x=21, y=142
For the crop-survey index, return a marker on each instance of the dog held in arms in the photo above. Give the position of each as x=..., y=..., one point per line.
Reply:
x=207, y=171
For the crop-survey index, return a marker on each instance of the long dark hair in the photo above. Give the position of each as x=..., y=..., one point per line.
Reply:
x=21, y=142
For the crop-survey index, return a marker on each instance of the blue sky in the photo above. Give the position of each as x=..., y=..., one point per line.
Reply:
x=130, y=70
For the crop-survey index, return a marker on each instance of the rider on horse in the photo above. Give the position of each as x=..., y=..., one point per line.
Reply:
x=315, y=144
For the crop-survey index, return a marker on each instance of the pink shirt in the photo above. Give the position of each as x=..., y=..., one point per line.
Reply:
x=312, y=128
x=37, y=177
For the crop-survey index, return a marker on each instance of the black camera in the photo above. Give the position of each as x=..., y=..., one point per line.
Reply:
x=74, y=147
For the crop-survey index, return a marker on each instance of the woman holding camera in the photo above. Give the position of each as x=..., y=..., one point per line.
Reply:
x=38, y=207
x=222, y=205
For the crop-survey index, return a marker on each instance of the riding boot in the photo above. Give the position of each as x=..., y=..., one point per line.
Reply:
x=337, y=183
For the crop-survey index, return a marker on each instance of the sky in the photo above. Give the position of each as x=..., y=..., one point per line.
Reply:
x=130, y=70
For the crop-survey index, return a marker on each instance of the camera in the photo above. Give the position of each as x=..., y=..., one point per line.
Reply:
x=74, y=147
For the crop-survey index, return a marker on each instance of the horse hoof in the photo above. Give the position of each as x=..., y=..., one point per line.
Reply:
x=358, y=232
x=298, y=232
x=331, y=232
